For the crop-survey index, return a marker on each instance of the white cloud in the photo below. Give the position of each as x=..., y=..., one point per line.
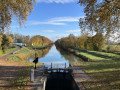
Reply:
x=47, y=22
x=73, y=31
x=48, y=31
x=65, y=19
x=56, y=21
x=59, y=36
x=55, y=1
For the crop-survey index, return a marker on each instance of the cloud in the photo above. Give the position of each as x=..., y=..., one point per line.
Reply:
x=48, y=31
x=55, y=1
x=65, y=19
x=56, y=21
x=73, y=31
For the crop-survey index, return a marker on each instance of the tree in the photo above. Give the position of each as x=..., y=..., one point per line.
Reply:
x=40, y=41
x=5, y=43
x=98, y=41
x=101, y=17
x=10, y=39
x=18, y=38
x=14, y=8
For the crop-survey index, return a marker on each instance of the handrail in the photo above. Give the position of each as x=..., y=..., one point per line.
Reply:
x=44, y=84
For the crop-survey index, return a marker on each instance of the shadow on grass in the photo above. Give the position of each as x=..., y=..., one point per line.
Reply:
x=9, y=73
x=98, y=55
x=108, y=80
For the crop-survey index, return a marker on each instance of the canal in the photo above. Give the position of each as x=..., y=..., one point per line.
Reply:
x=56, y=56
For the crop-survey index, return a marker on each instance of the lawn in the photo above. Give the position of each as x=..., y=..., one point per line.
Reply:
x=97, y=55
x=7, y=51
x=104, y=75
x=104, y=71
x=21, y=55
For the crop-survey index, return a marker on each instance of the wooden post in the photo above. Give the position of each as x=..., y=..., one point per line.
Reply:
x=69, y=65
x=51, y=67
x=65, y=65
x=32, y=75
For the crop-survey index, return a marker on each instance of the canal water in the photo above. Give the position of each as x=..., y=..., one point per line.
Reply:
x=56, y=56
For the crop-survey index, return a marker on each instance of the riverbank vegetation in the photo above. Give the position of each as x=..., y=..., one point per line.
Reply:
x=102, y=66
x=104, y=74
x=86, y=41
x=17, y=61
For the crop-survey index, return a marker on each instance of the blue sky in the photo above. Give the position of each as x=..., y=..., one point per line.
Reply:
x=53, y=19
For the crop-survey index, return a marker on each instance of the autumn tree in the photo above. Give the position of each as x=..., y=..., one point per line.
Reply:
x=98, y=41
x=81, y=40
x=39, y=41
x=102, y=16
x=18, y=9
x=10, y=39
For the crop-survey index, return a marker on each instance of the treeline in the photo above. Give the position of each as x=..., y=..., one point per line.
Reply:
x=6, y=40
x=84, y=41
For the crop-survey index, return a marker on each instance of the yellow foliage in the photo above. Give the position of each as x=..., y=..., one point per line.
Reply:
x=18, y=8
x=10, y=39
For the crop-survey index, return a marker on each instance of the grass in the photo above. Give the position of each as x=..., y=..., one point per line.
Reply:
x=7, y=51
x=97, y=55
x=105, y=75
x=21, y=79
x=21, y=55
x=41, y=47
x=104, y=71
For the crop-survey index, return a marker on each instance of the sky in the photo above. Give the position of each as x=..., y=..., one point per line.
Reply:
x=52, y=18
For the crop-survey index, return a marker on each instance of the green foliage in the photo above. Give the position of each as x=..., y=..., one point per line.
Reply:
x=5, y=43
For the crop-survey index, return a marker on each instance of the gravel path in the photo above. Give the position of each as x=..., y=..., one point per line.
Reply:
x=7, y=55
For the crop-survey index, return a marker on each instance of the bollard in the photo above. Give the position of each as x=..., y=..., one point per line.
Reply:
x=65, y=65
x=32, y=75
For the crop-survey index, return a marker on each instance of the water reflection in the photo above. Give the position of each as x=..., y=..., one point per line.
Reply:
x=40, y=53
x=69, y=56
x=56, y=56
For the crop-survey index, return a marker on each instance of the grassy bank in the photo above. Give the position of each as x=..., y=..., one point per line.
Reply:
x=96, y=55
x=21, y=55
x=23, y=76
x=7, y=51
x=42, y=47
x=104, y=70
